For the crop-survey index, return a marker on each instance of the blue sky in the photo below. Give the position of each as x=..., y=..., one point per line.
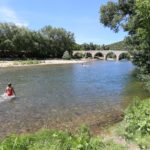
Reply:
x=81, y=17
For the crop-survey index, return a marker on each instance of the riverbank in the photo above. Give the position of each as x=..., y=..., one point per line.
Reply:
x=19, y=63
x=59, y=140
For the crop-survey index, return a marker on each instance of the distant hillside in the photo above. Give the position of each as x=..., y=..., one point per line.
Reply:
x=117, y=45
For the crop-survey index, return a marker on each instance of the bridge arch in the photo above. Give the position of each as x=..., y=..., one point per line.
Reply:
x=99, y=55
x=88, y=55
x=78, y=55
x=124, y=55
x=111, y=56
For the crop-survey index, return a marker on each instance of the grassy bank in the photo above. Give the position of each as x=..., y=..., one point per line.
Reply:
x=58, y=140
x=134, y=130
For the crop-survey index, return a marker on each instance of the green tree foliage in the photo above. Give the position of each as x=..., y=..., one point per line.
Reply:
x=47, y=42
x=114, y=46
x=118, y=14
x=87, y=46
x=60, y=40
x=105, y=47
x=134, y=17
x=118, y=46
x=143, y=34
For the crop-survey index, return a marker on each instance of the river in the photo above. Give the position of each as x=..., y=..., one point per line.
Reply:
x=66, y=96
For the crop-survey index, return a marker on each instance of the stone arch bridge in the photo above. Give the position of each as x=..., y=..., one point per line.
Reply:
x=103, y=53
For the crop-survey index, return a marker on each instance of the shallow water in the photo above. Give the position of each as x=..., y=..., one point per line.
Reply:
x=65, y=96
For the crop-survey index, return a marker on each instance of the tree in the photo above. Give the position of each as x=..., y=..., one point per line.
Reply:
x=8, y=44
x=134, y=17
x=60, y=40
x=104, y=47
x=47, y=42
x=7, y=32
x=142, y=58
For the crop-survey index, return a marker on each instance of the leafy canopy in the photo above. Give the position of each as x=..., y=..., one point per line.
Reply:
x=134, y=17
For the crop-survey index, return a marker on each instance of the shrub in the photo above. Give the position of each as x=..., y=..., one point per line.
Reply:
x=137, y=122
x=66, y=55
x=137, y=117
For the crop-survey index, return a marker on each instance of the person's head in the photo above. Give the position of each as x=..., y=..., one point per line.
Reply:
x=9, y=84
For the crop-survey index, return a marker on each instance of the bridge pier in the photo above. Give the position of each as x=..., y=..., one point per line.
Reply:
x=104, y=56
x=93, y=55
x=117, y=57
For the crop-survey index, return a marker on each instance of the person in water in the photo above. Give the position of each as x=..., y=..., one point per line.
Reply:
x=10, y=90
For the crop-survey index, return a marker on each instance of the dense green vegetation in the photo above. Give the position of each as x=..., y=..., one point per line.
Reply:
x=21, y=42
x=117, y=46
x=136, y=124
x=90, y=46
x=86, y=46
x=58, y=140
x=134, y=17
x=114, y=46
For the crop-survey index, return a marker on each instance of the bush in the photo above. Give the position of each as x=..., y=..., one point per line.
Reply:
x=66, y=55
x=146, y=79
x=137, y=117
x=137, y=122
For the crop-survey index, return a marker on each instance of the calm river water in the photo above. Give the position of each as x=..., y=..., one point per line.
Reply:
x=66, y=96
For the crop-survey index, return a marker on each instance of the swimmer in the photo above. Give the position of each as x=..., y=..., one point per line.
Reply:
x=9, y=91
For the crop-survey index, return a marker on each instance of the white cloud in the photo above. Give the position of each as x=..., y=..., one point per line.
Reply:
x=9, y=15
